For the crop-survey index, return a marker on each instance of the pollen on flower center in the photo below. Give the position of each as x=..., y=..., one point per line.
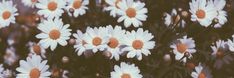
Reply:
x=202, y=75
x=6, y=15
x=54, y=34
x=125, y=76
x=200, y=14
x=113, y=43
x=97, y=41
x=52, y=6
x=77, y=4
x=37, y=49
x=137, y=44
x=35, y=73
x=116, y=3
x=181, y=47
x=131, y=12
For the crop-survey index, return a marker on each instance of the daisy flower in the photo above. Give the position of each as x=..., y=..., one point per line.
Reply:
x=7, y=13
x=183, y=46
x=80, y=42
x=202, y=11
x=219, y=50
x=29, y=3
x=33, y=67
x=201, y=72
x=221, y=14
x=132, y=13
x=10, y=56
x=173, y=18
x=96, y=39
x=53, y=32
x=35, y=48
x=50, y=8
x=78, y=7
x=231, y=44
x=126, y=71
x=137, y=43
x=116, y=34
x=113, y=7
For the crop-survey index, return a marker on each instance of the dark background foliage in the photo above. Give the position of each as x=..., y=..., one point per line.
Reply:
x=99, y=66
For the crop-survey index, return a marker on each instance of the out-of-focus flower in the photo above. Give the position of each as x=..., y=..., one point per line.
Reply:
x=29, y=3
x=116, y=35
x=221, y=14
x=96, y=39
x=80, y=42
x=64, y=74
x=231, y=44
x=113, y=7
x=53, y=33
x=8, y=12
x=126, y=71
x=219, y=51
x=173, y=19
x=5, y=73
x=202, y=11
x=201, y=72
x=33, y=67
x=1, y=71
x=183, y=46
x=10, y=57
x=132, y=13
x=50, y=8
x=137, y=43
x=35, y=48
x=78, y=7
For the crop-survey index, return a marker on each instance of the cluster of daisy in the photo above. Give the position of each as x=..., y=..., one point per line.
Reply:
x=206, y=12
x=130, y=11
x=115, y=41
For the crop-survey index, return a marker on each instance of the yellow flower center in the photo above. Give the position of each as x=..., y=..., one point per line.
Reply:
x=125, y=76
x=52, y=6
x=131, y=12
x=54, y=34
x=137, y=44
x=6, y=15
x=181, y=47
x=77, y=4
x=35, y=73
x=200, y=14
x=97, y=41
x=113, y=43
x=202, y=75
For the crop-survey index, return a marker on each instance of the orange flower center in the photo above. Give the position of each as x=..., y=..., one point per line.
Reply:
x=200, y=14
x=37, y=49
x=54, y=34
x=131, y=12
x=125, y=76
x=6, y=15
x=34, y=73
x=202, y=75
x=97, y=41
x=33, y=1
x=52, y=6
x=219, y=54
x=137, y=44
x=116, y=3
x=113, y=43
x=77, y=4
x=181, y=47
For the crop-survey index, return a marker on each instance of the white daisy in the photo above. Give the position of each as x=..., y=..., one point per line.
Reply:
x=173, y=18
x=53, y=32
x=201, y=72
x=231, y=44
x=221, y=14
x=126, y=71
x=202, y=11
x=10, y=56
x=33, y=67
x=96, y=39
x=132, y=13
x=116, y=36
x=137, y=43
x=113, y=7
x=35, y=48
x=29, y=3
x=78, y=7
x=80, y=42
x=183, y=46
x=51, y=8
x=7, y=13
